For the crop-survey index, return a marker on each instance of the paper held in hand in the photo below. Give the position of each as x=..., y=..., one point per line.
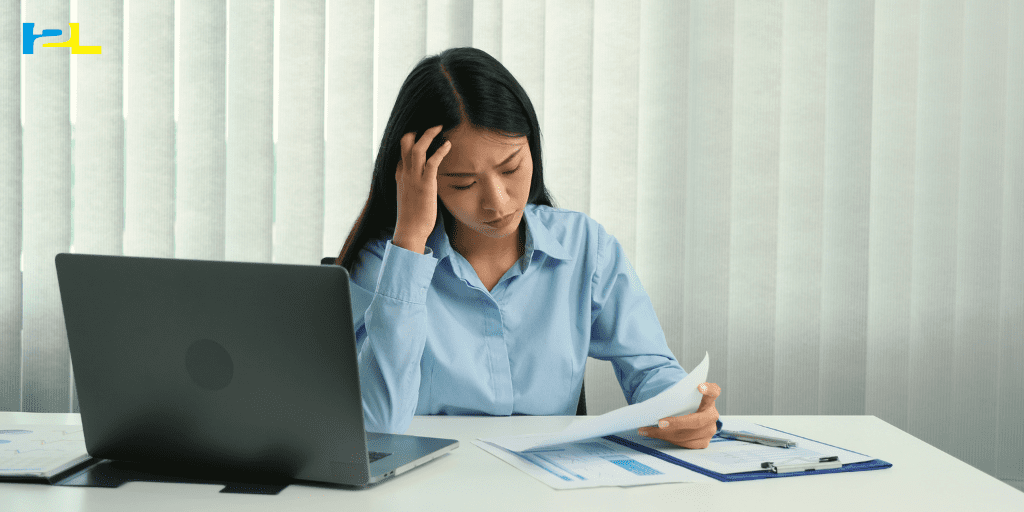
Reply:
x=680, y=399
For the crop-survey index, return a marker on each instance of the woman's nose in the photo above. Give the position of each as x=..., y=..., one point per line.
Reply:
x=495, y=195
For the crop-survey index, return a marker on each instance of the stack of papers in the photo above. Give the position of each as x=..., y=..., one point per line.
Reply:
x=606, y=450
x=40, y=451
x=612, y=462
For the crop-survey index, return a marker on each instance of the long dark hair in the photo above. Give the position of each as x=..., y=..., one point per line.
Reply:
x=459, y=85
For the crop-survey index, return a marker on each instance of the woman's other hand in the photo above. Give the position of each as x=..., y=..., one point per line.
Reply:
x=693, y=430
x=416, y=177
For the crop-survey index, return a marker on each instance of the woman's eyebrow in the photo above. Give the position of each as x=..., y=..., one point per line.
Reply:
x=465, y=174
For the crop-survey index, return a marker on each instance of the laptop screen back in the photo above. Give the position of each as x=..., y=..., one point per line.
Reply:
x=216, y=367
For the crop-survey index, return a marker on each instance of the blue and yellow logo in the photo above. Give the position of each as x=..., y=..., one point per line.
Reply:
x=29, y=36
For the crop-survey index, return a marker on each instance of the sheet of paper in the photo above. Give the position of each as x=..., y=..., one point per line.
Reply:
x=40, y=450
x=727, y=456
x=591, y=463
x=678, y=400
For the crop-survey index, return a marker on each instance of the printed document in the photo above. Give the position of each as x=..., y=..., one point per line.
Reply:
x=581, y=455
x=39, y=451
x=591, y=463
x=681, y=399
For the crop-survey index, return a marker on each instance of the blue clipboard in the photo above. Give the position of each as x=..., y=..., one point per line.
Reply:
x=754, y=475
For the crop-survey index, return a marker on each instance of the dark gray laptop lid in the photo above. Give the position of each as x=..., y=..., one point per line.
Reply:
x=220, y=366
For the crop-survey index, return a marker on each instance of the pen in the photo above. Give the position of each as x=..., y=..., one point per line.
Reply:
x=751, y=438
x=803, y=464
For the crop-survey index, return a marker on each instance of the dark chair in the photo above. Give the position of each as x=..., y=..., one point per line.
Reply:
x=581, y=406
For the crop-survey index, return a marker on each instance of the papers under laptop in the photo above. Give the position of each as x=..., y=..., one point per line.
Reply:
x=239, y=370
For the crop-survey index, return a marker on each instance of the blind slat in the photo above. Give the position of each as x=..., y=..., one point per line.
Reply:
x=708, y=176
x=47, y=214
x=200, y=155
x=10, y=210
x=299, y=182
x=846, y=182
x=754, y=203
x=150, y=133
x=801, y=164
x=249, y=177
x=349, y=130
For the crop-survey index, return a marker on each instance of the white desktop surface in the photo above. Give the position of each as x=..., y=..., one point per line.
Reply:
x=922, y=478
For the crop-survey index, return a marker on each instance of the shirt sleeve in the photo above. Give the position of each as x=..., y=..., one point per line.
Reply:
x=389, y=313
x=625, y=329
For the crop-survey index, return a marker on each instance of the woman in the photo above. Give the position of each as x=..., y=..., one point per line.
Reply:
x=471, y=293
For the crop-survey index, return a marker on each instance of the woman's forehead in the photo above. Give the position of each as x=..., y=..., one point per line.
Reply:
x=482, y=147
x=474, y=135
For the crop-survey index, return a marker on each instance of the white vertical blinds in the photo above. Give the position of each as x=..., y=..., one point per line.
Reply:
x=299, y=176
x=46, y=215
x=523, y=39
x=487, y=25
x=401, y=43
x=249, y=177
x=706, y=156
x=796, y=366
x=449, y=24
x=891, y=207
x=200, y=156
x=661, y=164
x=11, y=183
x=568, y=69
x=826, y=196
x=979, y=231
x=933, y=264
x=846, y=179
x=150, y=132
x=753, y=244
x=1010, y=394
x=349, y=132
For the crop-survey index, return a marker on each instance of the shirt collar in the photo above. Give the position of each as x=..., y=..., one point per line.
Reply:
x=538, y=238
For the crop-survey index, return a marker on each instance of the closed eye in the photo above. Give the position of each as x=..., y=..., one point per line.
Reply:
x=456, y=187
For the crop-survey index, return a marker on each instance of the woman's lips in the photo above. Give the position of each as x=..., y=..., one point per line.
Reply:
x=501, y=221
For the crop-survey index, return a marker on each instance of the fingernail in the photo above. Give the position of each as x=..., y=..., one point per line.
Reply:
x=641, y=432
x=703, y=388
x=663, y=424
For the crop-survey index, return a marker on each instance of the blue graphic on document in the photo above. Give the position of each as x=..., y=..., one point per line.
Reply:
x=633, y=466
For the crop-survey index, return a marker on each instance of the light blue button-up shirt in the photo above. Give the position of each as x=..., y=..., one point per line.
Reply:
x=432, y=340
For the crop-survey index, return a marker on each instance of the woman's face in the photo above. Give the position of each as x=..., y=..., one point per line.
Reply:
x=484, y=178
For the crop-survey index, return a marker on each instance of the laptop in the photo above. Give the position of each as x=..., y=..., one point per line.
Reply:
x=241, y=370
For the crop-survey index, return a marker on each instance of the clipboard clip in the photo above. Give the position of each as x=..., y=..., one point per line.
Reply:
x=803, y=464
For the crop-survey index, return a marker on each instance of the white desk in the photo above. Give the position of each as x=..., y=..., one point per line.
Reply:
x=922, y=478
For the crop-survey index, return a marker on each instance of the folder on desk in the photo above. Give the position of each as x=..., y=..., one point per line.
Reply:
x=859, y=464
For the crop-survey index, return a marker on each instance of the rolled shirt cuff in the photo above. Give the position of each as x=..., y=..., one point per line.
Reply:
x=408, y=274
